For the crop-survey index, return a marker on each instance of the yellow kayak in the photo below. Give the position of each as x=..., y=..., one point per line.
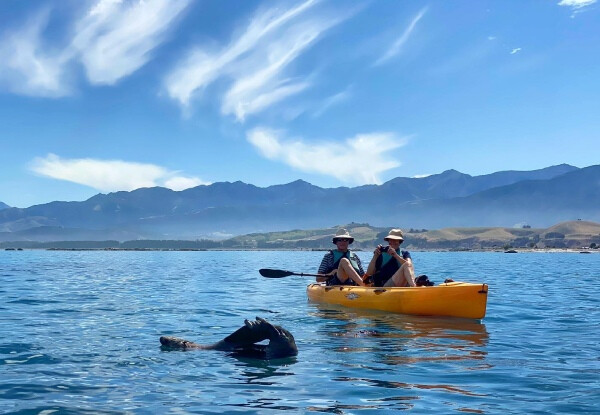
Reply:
x=453, y=299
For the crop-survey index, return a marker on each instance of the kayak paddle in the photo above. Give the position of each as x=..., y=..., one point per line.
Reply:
x=279, y=273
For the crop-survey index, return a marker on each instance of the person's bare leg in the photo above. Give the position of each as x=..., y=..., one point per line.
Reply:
x=409, y=274
x=404, y=277
x=345, y=271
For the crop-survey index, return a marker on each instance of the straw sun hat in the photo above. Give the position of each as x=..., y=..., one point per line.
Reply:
x=394, y=234
x=343, y=234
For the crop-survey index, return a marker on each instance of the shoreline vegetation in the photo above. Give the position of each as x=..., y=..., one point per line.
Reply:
x=523, y=250
x=569, y=236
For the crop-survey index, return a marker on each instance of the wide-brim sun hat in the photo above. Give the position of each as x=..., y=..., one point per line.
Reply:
x=394, y=234
x=343, y=234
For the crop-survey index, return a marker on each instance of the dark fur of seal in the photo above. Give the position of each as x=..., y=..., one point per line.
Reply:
x=242, y=342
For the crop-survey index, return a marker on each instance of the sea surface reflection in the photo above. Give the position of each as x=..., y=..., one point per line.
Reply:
x=393, y=341
x=80, y=332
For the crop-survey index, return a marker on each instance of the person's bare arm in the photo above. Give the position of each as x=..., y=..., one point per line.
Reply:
x=372, y=265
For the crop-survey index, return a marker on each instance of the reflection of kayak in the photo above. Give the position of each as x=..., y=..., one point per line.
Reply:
x=453, y=299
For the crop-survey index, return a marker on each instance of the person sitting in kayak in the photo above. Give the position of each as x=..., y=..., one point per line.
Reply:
x=391, y=267
x=341, y=266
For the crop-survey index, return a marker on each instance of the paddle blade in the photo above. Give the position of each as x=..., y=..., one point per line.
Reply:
x=274, y=273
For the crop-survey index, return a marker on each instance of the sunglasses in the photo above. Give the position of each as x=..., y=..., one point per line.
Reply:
x=342, y=240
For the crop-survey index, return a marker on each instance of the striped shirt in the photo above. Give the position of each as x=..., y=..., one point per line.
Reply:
x=328, y=262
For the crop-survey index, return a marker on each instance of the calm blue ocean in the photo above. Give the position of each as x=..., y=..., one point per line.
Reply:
x=79, y=334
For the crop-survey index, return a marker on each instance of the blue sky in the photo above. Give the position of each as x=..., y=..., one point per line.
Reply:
x=101, y=96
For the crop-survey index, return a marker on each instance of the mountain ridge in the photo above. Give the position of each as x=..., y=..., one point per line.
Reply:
x=450, y=198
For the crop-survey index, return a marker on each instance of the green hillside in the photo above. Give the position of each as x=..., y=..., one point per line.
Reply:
x=573, y=235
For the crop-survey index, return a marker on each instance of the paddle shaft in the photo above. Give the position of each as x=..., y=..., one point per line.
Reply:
x=301, y=274
x=279, y=273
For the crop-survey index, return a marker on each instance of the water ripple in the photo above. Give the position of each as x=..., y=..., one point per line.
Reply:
x=80, y=335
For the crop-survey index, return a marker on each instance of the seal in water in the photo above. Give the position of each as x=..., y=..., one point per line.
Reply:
x=242, y=342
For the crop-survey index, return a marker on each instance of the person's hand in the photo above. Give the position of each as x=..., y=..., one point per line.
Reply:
x=327, y=275
x=377, y=251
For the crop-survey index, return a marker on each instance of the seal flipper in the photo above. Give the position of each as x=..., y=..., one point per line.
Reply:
x=251, y=332
x=281, y=343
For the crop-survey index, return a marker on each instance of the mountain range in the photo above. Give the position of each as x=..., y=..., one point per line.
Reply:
x=538, y=198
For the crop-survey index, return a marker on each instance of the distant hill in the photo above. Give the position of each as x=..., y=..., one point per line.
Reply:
x=3, y=206
x=572, y=234
x=538, y=198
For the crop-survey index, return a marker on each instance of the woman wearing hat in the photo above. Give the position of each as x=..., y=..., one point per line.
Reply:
x=340, y=266
x=391, y=267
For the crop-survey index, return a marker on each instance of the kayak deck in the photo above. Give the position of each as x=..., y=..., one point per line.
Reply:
x=453, y=299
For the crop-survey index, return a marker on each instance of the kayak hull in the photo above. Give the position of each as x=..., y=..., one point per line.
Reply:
x=453, y=299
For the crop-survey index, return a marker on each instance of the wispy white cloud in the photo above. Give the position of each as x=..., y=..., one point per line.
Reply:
x=256, y=61
x=360, y=159
x=576, y=4
x=116, y=38
x=396, y=47
x=112, y=40
x=200, y=67
x=258, y=86
x=28, y=66
x=421, y=176
x=331, y=101
x=515, y=50
x=111, y=175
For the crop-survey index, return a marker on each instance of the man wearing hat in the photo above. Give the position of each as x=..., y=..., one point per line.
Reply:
x=391, y=267
x=340, y=266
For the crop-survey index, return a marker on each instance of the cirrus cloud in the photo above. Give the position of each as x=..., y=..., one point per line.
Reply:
x=396, y=47
x=576, y=4
x=28, y=66
x=112, y=39
x=256, y=62
x=200, y=67
x=111, y=175
x=116, y=38
x=358, y=160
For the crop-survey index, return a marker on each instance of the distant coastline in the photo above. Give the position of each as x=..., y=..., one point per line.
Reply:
x=572, y=236
x=523, y=250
